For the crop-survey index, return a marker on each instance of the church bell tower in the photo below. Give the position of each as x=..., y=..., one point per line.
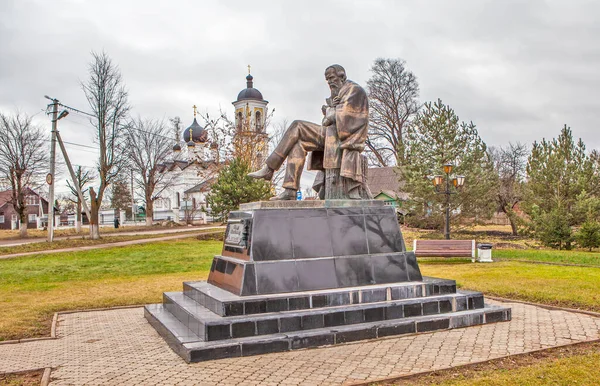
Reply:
x=251, y=110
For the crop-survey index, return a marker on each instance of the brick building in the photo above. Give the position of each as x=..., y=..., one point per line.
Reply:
x=37, y=210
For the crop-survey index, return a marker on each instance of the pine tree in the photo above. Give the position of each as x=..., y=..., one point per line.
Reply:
x=588, y=235
x=121, y=196
x=233, y=187
x=561, y=177
x=439, y=137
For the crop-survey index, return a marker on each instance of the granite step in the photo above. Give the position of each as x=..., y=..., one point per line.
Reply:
x=210, y=326
x=225, y=303
x=195, y=351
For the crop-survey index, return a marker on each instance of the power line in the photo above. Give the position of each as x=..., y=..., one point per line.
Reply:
x=122, y=126
x=77, y=110
x=78, y=144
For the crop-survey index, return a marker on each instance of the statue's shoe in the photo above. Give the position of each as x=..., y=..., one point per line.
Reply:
x=265, y=173
x=286, y=195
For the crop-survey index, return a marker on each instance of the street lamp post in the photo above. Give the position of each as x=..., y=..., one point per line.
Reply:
x=457, y=182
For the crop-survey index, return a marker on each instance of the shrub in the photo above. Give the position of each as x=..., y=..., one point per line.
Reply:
x=588, y=235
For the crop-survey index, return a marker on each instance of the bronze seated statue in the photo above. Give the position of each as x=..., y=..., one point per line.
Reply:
x=335, y=146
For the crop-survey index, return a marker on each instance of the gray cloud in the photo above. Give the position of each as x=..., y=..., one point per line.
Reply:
x=518, y=69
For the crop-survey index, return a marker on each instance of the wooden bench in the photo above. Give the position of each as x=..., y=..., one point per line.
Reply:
x=444, y=248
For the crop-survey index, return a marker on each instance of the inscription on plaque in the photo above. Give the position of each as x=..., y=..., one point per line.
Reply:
x=236, y=234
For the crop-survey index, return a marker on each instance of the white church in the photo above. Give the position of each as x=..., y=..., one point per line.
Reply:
x=195, y=166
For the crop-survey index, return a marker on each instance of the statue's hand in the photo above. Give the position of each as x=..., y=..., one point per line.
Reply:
x=326, y=121
x=336, y=100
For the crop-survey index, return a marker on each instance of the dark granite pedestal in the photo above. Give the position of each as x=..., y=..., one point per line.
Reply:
x=311, y=273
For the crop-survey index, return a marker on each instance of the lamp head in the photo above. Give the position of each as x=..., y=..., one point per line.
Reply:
x=448, y=168
x=62, y=114
x=459, y=181
x=438, y=180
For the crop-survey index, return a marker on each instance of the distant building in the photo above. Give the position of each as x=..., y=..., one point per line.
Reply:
x=37, y=210
x=183, y=200
x=250, y=120
x=196, y=164
x=385, y=185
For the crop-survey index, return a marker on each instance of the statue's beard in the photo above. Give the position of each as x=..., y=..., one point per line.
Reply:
x=334, y=90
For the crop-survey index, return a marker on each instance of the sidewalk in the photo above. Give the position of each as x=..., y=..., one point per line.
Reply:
x=151, y=231
x=212, y=230
x=119, y=347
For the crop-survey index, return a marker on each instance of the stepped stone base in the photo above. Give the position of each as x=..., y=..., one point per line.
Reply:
x=305, y=274
x=262, y=324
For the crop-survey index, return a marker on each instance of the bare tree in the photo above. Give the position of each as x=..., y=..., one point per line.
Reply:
x=107, y=97
x=242, y=140
x=149, y=146
x=82, y=179
x=393, y=104
x=23, y=161
x=510, y=163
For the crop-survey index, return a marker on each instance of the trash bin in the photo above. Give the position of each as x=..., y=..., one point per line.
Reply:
x=484, y=252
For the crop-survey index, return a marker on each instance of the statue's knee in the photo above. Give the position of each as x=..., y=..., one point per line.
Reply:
x=293, y=127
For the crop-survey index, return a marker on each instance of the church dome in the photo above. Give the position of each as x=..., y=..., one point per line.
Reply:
x=249, y=93
x=196, y=132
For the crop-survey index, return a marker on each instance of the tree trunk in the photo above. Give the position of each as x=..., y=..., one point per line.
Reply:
x=512, y=218
x=23, y=226
x=149, y=212
x=95, y=208
x=513, y=223
x=78, y=218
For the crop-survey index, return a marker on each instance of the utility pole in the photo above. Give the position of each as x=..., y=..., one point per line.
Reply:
x=73, y=177
x=133, y=206
x=52, y=170
x=447, y=229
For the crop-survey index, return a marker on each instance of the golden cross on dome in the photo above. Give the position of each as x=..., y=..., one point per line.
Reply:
x=248, y=69
x=194, y=111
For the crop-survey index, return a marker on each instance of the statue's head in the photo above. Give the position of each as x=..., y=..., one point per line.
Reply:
x=335, y=76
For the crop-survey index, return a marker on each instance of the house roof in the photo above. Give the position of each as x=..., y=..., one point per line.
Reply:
x=386, y=180
x=201, y=187
x=6, y=196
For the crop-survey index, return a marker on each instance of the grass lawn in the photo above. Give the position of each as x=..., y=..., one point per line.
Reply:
x=33, y=288
x=550, y=256
x=576, y=287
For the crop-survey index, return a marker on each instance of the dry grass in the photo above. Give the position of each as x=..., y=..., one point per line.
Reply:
x=499, y=235
x=25, y=378
x=68, y=232
x=83, y=242
x=29, y=313
x=570, y=365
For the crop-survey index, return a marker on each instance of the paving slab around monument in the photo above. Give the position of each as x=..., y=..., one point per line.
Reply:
x=119, y=347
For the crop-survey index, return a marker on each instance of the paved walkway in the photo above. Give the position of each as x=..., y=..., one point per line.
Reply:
x=150, y=231
x=118, y=347
x=118, y=244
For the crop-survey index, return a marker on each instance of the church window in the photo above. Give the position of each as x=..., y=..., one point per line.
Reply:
x=258, y=122
x=240, y=118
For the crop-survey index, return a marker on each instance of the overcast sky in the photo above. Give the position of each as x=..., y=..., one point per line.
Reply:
x=519, y=70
